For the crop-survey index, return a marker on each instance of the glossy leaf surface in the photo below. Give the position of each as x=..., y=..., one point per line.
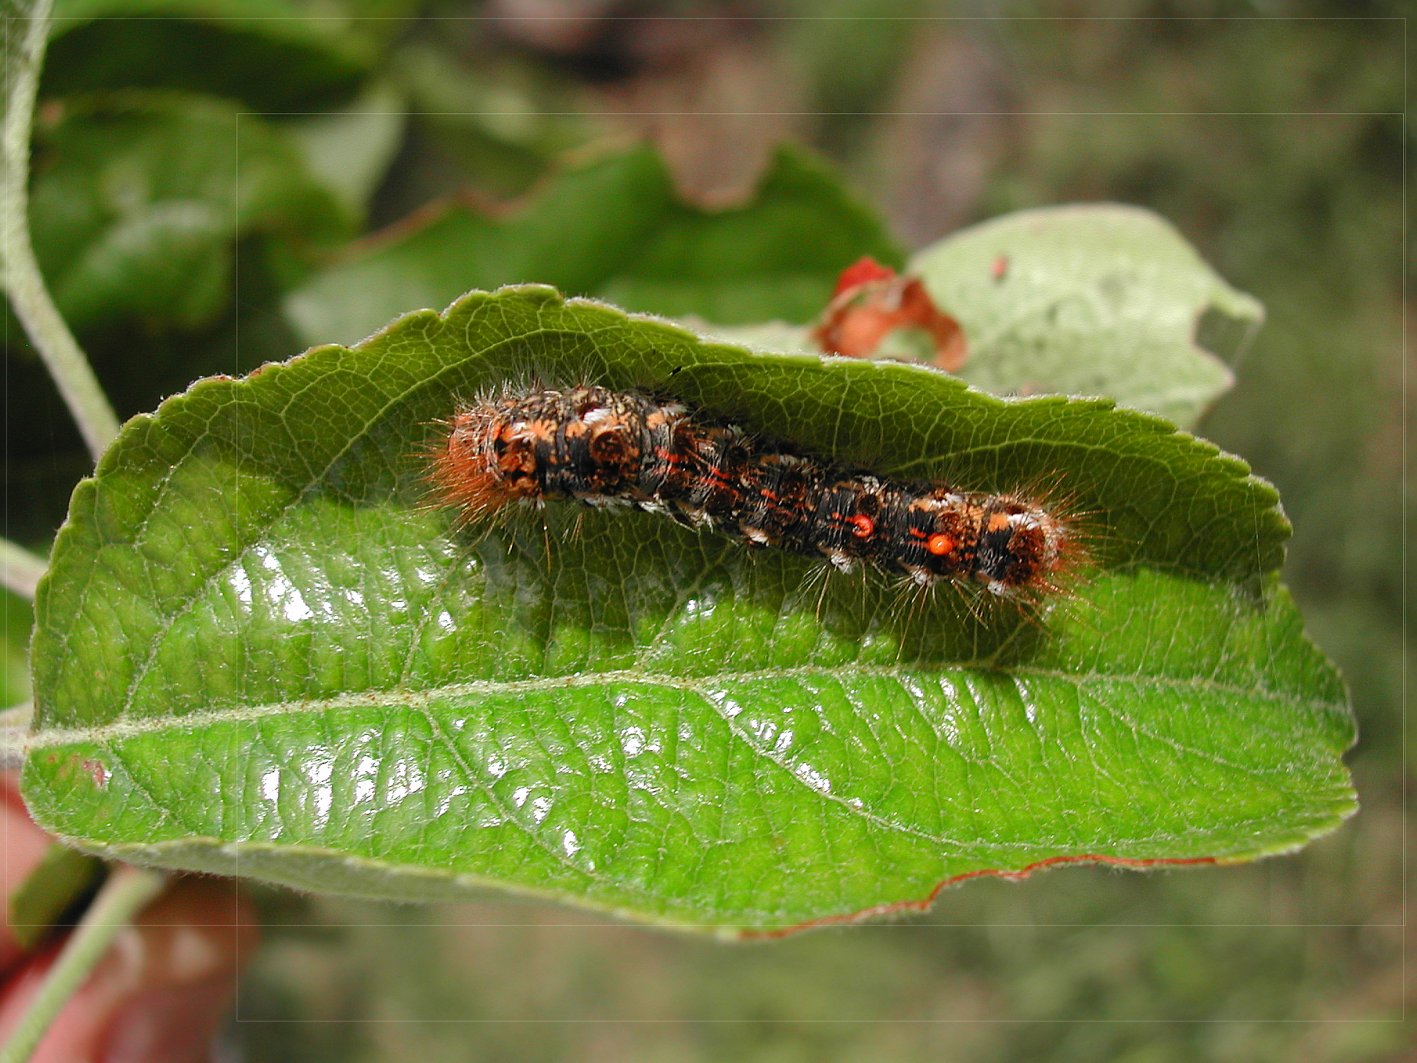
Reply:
x=260, y=652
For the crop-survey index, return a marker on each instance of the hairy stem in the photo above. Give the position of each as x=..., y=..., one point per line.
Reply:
x=14, y=735
x=26, y=33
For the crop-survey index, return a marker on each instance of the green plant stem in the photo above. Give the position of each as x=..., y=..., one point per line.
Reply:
x=127, y=891
x=23, y=282
x=20, y=570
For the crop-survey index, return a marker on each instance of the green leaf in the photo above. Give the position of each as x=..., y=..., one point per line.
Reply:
x=1088, y=300
x=138, y=201
x=208, y=46
x=349, y=151
x=260, y=652
x=500, y=123
x=614, y=228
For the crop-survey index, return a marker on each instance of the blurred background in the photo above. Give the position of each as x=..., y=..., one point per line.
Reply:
x=209, y=183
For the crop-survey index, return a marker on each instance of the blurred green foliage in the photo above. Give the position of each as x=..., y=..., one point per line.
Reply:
x=1275, y=144
x=143, y=197
x=613, y=228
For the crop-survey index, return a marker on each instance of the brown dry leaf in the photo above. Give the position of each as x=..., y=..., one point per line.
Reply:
x=873, y=305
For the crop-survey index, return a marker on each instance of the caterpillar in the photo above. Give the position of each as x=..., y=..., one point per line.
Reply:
x=605, y=448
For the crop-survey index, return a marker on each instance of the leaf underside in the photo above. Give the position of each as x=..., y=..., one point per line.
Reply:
x=1091, y=299
x=1088, y=299
x=260, y=651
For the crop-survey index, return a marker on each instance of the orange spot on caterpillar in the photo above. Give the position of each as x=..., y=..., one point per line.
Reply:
x=862, y=526
x=940, y=544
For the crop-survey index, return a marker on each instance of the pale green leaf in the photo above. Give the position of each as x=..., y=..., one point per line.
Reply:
x=1089, y=300
x=1079, y=300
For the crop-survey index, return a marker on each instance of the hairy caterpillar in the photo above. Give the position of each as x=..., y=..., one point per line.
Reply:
x=604, y=448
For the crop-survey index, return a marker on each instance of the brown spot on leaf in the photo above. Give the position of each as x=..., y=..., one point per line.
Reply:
x=91, y=767
x=97, y=770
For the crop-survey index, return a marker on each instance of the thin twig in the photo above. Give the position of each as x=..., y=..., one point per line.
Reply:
x=127, y=891
x=20, y=273
x=19, y=569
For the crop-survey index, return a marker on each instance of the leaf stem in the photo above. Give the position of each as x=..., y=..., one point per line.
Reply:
x=14, y=735
x=127, y=891
x=20, y=570
x=62, y=355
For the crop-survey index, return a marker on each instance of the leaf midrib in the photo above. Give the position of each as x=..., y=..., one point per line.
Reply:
x=963, y=848
x=697, y=685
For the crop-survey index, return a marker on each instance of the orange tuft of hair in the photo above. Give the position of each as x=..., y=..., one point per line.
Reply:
x=463, y=471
